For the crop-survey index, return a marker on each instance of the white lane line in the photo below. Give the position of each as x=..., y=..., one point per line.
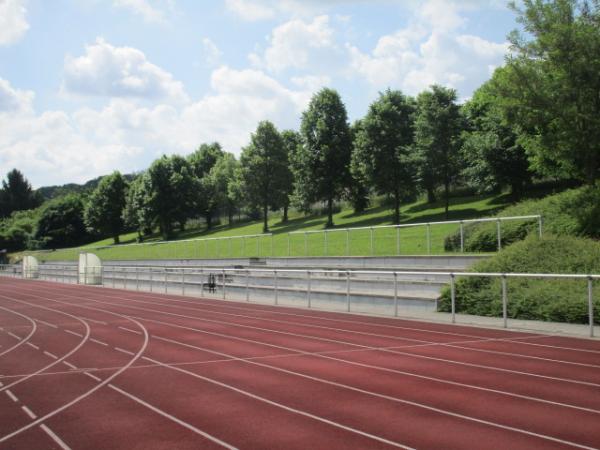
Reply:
x=99, y=342
x=51, y=325
x=29, y=412
x=396, y=352
x=33, y=345
x=14, y=335
x=173, y=418
x=51, y=355
x=68, y=364
x=12, y=396
x=279, y=405
x=54, y=437
x=94, y=377
x=123, y=351
x=73, y=333
x=380, y=368
x=129, y=330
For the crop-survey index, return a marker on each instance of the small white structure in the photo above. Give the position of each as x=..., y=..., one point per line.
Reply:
x=31, y=268
x=90, y=269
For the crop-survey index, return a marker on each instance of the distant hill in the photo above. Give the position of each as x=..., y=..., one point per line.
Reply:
x=50, y=192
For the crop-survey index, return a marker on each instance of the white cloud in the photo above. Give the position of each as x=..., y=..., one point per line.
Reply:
x=212, y=54
x=143, y=8
x=253, y=10
x=13, y=24
x=55, y=147
x=250, y=10
x=122, y=72
x=302, y=45
x=431, y=49
x=13, y=100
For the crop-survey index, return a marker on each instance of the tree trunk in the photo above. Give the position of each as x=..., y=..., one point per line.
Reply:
x=265, y=219
x=329, y=213
x=230, y=216
x=116, y=238
x=208, y=221
x=447, y=197
x=285, y=214
x=396, y=207
x=430, y=195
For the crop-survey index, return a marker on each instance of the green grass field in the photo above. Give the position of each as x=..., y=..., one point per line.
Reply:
x=290, y=239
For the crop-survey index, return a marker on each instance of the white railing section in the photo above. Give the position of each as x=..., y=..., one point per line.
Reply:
x=219, y=280
x=223, y=245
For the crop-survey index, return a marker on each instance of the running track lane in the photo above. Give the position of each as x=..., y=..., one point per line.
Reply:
x=226, y=374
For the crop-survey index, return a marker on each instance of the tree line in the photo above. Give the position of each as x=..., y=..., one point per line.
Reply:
x=537, y=117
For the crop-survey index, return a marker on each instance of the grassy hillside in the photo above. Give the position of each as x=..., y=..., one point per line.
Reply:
x=358, y=243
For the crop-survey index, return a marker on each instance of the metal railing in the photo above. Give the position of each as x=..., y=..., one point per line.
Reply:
x=383, y=240
x=348, y=290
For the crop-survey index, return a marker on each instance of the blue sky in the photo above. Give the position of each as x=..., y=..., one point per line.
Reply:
x=89, y=86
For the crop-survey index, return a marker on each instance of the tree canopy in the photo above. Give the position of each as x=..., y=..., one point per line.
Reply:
x=103, y=211
x=16, y=194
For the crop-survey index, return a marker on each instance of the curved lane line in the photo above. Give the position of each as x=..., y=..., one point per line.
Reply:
x=26, y=338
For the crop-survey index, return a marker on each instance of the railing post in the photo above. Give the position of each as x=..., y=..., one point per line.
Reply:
x=183, y=281
x=247, y=285
x=201, y=282
x=540, y=225
x=289, y=253
x=499, y=234
x=258, y=239
x=308, y=289
x=272, y=245
x=325, y=234
x=428, y=239
x=244, y=246
x=347, y=242
x=348, y=291
x=166, y=280
x=462, y=237
x=453, y=297
x=591, y=306
x=229, y=247
x=395, y=294
x=397, y=240
x=151, y=271
x=137, y=278
x=276, y=287
x=223, y=273
x=504, y=302
x=371, y=236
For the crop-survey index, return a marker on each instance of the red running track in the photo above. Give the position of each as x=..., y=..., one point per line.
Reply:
x=96, y=368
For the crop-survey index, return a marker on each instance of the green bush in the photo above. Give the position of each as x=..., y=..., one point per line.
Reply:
x=541, y=299
x=575, y=212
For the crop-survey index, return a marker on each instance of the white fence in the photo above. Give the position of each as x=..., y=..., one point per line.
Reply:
x=383, y=240
x=349, y=290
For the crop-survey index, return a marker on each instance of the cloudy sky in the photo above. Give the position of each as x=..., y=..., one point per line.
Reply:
x=89, y=86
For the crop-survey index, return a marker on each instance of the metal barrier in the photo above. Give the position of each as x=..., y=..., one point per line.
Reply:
x=384, y=240
x=349, y=290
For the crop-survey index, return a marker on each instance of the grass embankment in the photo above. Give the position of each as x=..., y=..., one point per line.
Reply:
x=356, y=243
x=557, y=300
x=570, y=245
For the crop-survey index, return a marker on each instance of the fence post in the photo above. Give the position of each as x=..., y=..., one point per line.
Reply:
x=499, y=234
x=462, y=237
x=591, y=306
x=347, y=242
x=305, y=243
x=289, y=245
x=395, y=294
x=137, y=278
x=223, y=272
x=151, y=271
x=371, y=235
x=428, y=239
x=348, y=291
x=453, y=297
x=276, y=290
x=308, y=290
x=325, y=234
x=540, y=225
x=397, y=240
x=247, y=285
x=243, y=245
x=166, y=280
x=504, y=302
x=229, y=246
x=201, y=282
x=272, y=245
